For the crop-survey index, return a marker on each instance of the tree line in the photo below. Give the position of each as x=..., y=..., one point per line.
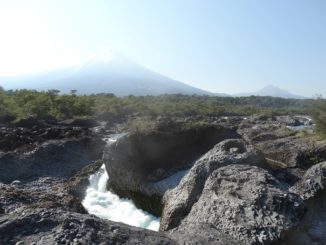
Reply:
x=19, y=104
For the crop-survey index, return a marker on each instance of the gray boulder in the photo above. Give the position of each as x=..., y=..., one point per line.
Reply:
x=312, y=227
x=179, y=201
x=229, y=193
x=313, y=182
x=244, y=203
x=54, y=226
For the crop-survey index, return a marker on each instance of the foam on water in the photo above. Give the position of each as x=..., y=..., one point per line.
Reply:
x=107, y=205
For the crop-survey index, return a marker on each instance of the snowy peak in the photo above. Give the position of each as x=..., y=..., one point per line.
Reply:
x=106, y=56
x=105, y=72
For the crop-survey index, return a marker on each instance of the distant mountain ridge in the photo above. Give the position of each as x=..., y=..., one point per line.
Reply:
x=111, y=72
x=273, y=91
x=108, y=73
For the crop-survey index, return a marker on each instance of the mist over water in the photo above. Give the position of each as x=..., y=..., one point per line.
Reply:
x=107, y=205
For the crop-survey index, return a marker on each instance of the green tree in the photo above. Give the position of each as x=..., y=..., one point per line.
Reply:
x=319, y=116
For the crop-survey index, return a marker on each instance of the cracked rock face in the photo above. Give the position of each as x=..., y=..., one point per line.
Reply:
x=58, y=158
x=246, y=203
x=313, y=182
x=178, y=202
x=312, y=189
x=137, y=161
x=54, y=226
x=282, y=146
x=225, y=192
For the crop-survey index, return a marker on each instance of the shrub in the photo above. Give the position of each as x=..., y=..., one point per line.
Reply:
x=319, y=117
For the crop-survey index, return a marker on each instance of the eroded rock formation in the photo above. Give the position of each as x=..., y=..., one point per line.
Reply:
x=137, y=160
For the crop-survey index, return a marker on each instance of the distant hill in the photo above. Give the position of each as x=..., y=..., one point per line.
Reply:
x=108, y=73
x=222, y=95
x=274, y=91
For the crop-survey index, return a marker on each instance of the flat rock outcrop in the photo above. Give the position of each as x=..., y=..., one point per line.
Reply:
x=41, y=193
x=54, y=226
x=24, y=139
x=282, y=146
x=51, y=158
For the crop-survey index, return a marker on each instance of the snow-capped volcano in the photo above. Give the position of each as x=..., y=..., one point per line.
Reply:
x=105, y=72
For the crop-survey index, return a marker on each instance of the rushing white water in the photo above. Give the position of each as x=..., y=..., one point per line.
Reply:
x=107, y=205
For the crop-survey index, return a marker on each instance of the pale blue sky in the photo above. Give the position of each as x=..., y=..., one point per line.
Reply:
x=219, y=45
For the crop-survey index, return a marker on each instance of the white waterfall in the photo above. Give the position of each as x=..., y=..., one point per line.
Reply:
x=107, y=205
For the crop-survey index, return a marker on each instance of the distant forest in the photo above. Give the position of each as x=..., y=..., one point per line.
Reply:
x=19, y=104
x=50, y=104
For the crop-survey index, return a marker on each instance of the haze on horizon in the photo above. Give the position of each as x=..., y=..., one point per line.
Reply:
x=220, y=46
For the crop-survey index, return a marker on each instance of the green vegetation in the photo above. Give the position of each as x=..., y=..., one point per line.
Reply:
x=193, y=105
x=43, y=105
x=19, y=104
x=319, y=116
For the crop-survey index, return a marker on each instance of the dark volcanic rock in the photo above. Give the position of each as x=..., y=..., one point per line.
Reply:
x=312, y=228
x=26, y=139
x=313, y=182
x=136, y=160
x=30, y=122
x=201, y=234
x=44, y=205
x=78, y=183
x=281, y=146
x=79, y=122
x=54, y=226
x=293, y=151
x=41, y=193
x=53, y=158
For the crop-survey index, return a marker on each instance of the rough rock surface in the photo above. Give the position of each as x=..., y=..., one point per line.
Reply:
x=48, y=192
x=179, y=201
x=24, y=139
x=282, y=146
x=54, y=226
x=41, y=189
x=230, y=195
x=52, y=158
x=41, y=193
x=137, y=160
x=313, y=182
x=245, y=202
x=312, y=228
